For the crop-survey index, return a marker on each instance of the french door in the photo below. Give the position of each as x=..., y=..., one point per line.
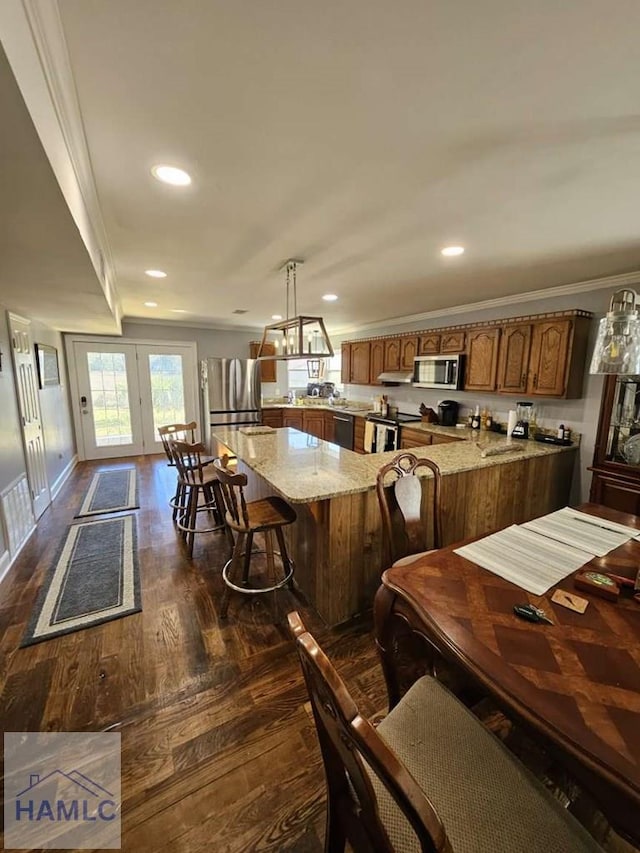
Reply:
x=125, y=391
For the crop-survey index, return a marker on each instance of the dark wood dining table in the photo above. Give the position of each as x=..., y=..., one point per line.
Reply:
x=574, y=685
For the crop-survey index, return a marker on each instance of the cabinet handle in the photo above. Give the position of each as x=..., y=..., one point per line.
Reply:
x=535, y=380
x=523, y=380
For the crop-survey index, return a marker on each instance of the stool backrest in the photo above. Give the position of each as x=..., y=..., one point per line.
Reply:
x=179, y=432
x=405, y=516
x=232, y=485
x=187, y=458
x=346, y=740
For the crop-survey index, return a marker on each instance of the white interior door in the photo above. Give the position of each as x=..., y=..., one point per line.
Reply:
x=108, y=399
x=167, y=389
x=124, y=391
x=29, y=405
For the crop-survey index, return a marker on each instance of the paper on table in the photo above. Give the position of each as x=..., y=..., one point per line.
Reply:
x=594, y=521
x=525, y=558
x=565, y=527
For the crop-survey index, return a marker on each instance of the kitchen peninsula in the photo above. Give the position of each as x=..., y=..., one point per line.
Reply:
x=336, y=541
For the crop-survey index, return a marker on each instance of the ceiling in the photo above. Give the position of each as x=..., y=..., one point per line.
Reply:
x=362, y=137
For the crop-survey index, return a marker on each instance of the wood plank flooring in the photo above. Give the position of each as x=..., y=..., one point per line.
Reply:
x=219, y=749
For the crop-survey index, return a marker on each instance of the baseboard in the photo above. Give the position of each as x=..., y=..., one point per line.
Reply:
x=64, y=476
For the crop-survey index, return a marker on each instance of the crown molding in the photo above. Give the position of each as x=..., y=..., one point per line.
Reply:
x=185, y=324
x=613, y=281
x=45, y=25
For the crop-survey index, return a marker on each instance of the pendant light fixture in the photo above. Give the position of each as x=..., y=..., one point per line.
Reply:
x=297, y=336
x=617, y=348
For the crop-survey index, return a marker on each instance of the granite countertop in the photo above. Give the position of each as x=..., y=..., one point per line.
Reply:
x=303, y=468
x=350, y=408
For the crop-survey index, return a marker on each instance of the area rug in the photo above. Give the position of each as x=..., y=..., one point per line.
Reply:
x=110, y=491
x=93, y=579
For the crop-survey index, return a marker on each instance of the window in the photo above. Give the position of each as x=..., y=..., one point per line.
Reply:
x=298, y=374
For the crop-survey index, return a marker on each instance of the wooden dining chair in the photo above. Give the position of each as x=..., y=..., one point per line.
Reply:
x=199, y=491
x=245, y=519
x=410, y=529
x=430, y=777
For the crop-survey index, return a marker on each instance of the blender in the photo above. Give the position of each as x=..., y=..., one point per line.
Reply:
x=525, y=417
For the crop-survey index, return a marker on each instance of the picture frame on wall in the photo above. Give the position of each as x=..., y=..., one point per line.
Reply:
x=47, y=362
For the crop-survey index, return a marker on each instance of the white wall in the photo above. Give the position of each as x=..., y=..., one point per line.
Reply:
x=580, y=415
x=12, y=462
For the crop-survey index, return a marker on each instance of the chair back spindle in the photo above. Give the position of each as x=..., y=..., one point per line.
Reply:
x=233, y=485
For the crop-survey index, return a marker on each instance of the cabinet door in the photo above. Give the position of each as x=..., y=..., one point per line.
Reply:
x=267, y=368
x=313, y=423
x=376, y=361
x=515, y=345
x=329, y=427
x=452, y=342
x=345, y=367
x=272, y=417
x=360, y=363
x=616, y=493
x=413, y=438
x=392, y=354
x=429, y=344
x=408, y=351
x=358, y=434
x=292, y=419
x=549, y=355
x=482, y=360
x=440, y=438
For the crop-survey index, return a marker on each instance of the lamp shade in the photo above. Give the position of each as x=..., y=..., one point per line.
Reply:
x=617, y=348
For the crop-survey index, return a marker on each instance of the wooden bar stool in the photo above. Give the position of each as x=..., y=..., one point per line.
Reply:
x=177, y=432
x=198, y=490
x=266, y=516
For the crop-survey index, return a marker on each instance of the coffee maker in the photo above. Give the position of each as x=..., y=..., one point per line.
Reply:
x=448, y=412
x=525, y=417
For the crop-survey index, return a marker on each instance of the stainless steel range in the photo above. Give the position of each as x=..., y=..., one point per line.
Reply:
x=384, y=433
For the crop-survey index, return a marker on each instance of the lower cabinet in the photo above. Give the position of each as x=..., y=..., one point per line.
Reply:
x=615, y=492
x=313, y=422
x=413, y=438
x=358, y=434
x=292, y=418
x=272, y=417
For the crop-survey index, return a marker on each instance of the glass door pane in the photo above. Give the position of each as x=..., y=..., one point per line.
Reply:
x=167, y=390
x=109, y=391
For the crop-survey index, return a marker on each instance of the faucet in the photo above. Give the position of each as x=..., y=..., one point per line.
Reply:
x=291, y=397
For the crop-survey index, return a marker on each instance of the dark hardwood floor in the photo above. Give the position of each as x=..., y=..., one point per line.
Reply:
x=219, y=749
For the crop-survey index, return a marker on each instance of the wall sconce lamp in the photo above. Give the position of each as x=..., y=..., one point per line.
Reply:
x=617, y=348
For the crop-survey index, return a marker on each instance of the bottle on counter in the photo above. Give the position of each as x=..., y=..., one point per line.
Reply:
x=566, y=434
x=560, y=433
x=384, y=406
x=488, y=424
x=475, y=421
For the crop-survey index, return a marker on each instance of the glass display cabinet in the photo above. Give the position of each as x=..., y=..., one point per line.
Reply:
x=616, y=459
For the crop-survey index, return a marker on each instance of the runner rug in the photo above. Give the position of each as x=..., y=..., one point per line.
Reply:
x=93, y=579
x=110, y=491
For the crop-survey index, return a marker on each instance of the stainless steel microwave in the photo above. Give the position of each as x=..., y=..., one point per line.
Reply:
x=438, y=371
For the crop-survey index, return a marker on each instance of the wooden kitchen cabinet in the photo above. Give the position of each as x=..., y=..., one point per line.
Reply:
x=345, y=364
x=292, y=418
x=429, y=344
x=376, y=361
x=392, y=354
x=616, y=467
x=558, y=354
x=451, y=342
x=360, y=363
x=408, y=351
x=272, y=417
x=358, y=433
x=513, y=362
x=440, y=438
x=313, y=422
x=329, y=427
x=267, y=368
x=413, y=438
x=482, y=360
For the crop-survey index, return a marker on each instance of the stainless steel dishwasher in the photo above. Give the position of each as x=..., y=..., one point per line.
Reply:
x=343, y=430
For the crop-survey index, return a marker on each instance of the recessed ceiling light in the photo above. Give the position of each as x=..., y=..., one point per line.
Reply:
x=276, y=316
x=151, y=304
x=155, y=273
x=179, y=311
x=171, y=175
x=451, y=251
x=329, y=297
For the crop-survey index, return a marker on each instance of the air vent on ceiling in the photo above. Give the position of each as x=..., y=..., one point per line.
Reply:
x=240, y=311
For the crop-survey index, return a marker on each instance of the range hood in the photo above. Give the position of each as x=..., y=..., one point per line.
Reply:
x=396, y=377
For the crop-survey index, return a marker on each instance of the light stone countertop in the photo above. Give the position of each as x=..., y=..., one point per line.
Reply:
x=303, y=468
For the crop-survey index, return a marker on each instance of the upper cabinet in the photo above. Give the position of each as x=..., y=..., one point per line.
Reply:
x=360, y=362
x=540, y=355
x=452, y=342
x=482, y=360
x=429, y=343
x=392, y=354
x=408, y=351
x=267, y=368
x=376, y=361
x=513, y=363
x=345, y=364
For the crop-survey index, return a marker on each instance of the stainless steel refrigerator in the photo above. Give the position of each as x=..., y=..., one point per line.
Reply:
x=230, y=392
